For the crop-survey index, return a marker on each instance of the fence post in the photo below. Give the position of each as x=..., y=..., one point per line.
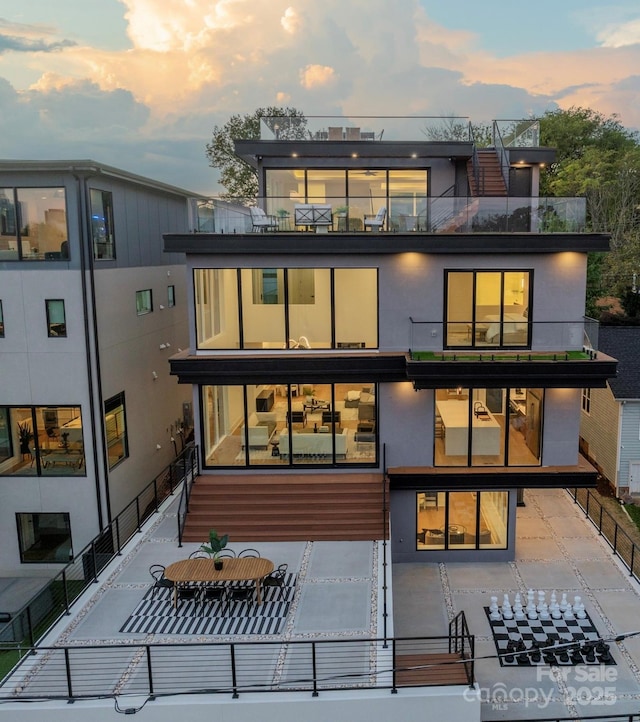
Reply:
x=138, y=513
x=633, y=550
x=586, y=511
x=67, y=664
x=150, y=673
x=66, y=592
x=600, y=521
x=119, y=548
x=234, y=679
x=394, y=689
x=314, y=670
x=155, y=494
x=32, y=641
x=615, y=539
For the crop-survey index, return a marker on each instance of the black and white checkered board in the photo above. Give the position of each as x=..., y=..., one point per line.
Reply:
x=157, y=615
x=560, y=631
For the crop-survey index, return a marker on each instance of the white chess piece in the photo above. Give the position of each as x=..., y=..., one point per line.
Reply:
x=518, y=611
x=563, y=603
x=541, y=599
x=507, y=612
x=555, y=612
x=553, y=598
x=494, y=611
x=543, y=612
x=568, y=613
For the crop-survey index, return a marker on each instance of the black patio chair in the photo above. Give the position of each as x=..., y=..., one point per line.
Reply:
x=159, y=580
x=214, y=593
x=227, y=554
x=240, y=595
x=254, y=553
x=277, y=578
x=187, y=594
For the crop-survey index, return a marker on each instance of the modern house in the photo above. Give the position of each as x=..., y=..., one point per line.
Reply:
x=90, y=311
x=399, y=331
x=611, y=415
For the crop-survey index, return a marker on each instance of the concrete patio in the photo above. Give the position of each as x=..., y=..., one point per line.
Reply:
x=339, y=594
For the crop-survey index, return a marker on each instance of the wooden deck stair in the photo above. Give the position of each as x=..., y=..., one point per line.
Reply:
x=489, y=174
x=432, y=669
x=281, y=507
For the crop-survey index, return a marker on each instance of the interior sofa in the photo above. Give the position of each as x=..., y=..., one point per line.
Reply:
x=262, y=424
x=310, y=444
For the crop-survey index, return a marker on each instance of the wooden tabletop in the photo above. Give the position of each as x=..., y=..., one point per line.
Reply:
x=233, y=570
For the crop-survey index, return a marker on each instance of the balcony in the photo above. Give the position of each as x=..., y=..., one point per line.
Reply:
x=410, y=214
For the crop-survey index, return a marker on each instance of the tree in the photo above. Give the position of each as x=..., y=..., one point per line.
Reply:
x=237, y=176
x=599, y=159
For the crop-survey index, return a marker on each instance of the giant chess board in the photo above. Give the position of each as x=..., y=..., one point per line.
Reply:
x=533, y=639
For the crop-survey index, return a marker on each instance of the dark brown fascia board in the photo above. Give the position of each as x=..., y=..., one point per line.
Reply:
x=378, y=244
x=531, y=156
x=469, y=479
x=245, y=367
x=251, y=150
x=282, y=369
x=593, y=373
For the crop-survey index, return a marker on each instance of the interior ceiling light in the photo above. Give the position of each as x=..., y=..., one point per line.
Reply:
x=414, y=155
x=354, y=155
x=294, y=155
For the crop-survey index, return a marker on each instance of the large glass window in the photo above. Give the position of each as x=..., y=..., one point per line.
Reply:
x=44, y=537
x=488, y=427
x=287, y=308
x=461, y=520
x=290, y=424
x=115, y=422
x=352, y=194
x=8, y=226
x=488, y=308
x=56, y=320
x=41, y=441
x=102, y=235
x=217, y=315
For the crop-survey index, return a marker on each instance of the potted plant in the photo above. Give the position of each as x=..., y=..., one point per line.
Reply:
x=24, y=436
x=342, y=211
x=215, y=546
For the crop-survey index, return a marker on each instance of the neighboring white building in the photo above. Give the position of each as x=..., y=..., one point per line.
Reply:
x=91, y=308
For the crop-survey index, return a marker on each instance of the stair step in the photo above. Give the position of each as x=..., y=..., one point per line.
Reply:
x=432, y=669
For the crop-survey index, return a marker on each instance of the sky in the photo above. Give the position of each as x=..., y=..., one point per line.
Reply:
x=140, y=84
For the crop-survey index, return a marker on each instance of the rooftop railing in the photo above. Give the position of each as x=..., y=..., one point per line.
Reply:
x=234, y=668
x=366, y=128
x=444, y=214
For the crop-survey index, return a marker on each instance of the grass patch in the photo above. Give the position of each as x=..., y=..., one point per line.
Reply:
x=634, y=512
x=487, y=355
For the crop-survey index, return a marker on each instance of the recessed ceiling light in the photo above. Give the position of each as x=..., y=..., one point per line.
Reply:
x=354, y=155
x=414, y=155
x=294, y=155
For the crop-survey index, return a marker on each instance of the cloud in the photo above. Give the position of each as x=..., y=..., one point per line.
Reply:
x=317, y=75
x=22, y=38
x=617, y=36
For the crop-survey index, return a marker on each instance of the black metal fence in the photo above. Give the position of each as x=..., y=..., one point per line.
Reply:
x=185, y=496
x=601, y=718
x=32, y=622
x=75, y=673
x=621, y=543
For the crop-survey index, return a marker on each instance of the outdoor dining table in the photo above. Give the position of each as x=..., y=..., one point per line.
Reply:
x=202, y=571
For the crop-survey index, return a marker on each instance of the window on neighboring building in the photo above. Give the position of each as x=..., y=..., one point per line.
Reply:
x=33, y=224
x=488, y=427
x=115, y=421
x=102, y=235
x=586, y=400
x=171, y=296
x=461, y=520
x=144, y=302
x=56, y=321
x=290, y=424
x=44, y=537
x=487, y=309
x=1, y=321
x=41, y=441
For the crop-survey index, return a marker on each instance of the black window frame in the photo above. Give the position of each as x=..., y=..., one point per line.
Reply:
x=150, y=292
x=104, y=216
x=111, y=404
x=61, y=331
x=66, y=517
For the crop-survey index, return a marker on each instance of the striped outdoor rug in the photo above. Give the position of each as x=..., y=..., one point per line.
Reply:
x=158, y=616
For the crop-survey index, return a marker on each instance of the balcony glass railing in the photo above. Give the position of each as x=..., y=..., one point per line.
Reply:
x=493, y=336
x=448, y=214
x=517, y=133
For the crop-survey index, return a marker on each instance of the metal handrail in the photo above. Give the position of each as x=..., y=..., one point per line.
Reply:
x=620, y=542
x=185, y=495
x=89, y=671
x=56, y=598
